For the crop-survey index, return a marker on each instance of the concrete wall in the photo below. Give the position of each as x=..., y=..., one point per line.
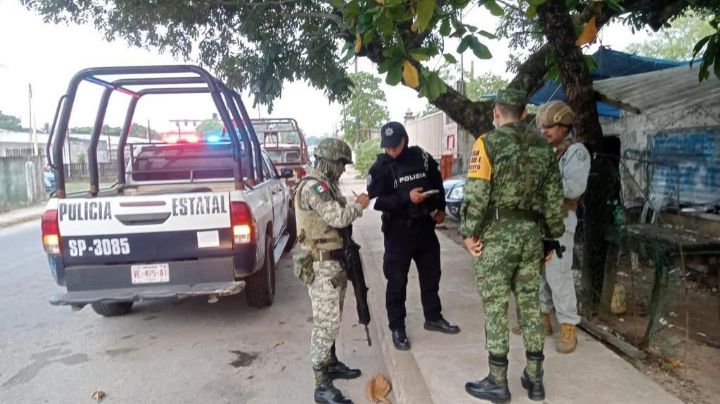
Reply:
x=14, y=183
x=439, y=136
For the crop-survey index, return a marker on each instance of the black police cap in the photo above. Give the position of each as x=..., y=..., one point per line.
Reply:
x=391, y=134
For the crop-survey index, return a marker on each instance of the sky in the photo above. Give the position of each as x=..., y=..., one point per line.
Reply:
x=46, y=56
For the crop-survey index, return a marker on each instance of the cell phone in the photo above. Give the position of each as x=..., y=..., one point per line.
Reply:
x=430, y=192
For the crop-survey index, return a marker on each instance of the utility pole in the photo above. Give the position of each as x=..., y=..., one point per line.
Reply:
x=357, y=114
x=33, y=135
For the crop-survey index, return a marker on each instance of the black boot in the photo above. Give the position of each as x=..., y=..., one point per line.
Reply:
x=532, y=377
x=338, y=370
x=494, y=387
x=400, y=340
x=325, y=391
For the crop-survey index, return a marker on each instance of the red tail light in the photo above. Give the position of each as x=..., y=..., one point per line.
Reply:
x=300, y=172
x=50, y=232
x=242, y=223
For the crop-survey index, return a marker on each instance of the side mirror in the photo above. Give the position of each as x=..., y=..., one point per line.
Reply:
x=287, y=173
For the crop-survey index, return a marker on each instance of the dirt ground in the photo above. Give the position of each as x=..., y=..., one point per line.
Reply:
x=686, y=364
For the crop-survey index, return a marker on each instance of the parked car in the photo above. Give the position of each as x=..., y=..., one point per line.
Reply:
x=454, y=187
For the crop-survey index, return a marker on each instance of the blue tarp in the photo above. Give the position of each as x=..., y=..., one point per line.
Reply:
x=610, y=63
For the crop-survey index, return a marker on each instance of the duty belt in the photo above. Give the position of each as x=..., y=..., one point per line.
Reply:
x=517, y=214
x=332, y=255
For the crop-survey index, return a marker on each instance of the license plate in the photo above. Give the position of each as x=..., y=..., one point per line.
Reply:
x=150, y=273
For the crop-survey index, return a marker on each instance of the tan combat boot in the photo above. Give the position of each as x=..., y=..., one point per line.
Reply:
x=568, y=338
x=548, y=324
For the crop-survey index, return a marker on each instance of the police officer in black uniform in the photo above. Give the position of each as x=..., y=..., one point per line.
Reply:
x=400, y=179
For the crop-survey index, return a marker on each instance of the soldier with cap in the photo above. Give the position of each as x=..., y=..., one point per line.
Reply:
x=320, y=211
x=557, y=288
x=513, y=181
x=409, y=191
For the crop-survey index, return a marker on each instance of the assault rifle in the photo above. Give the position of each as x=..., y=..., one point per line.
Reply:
x=354, y=270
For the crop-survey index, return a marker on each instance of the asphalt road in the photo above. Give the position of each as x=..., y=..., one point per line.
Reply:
x=184, y=351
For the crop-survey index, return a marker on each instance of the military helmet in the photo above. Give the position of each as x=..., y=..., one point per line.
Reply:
x=335, y=150
x=554, y=113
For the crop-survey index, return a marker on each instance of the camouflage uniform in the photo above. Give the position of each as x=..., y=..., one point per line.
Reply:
x=323, y=197
x=320, y=211
x=512, y=179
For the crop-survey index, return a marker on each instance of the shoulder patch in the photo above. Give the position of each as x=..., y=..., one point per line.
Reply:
x=480, y=166
x=320, y=188
x=582, y=155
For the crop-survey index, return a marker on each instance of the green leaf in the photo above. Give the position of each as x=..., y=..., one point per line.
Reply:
x=349, y=53
x=591, y=63
x=480, y=50
x=394, y=74
x=419, y=56
x=531, y=12
x=386, y=65
x=487, y=34
x=699, y=46
x=493, y=7
x=614, y=5
x=425, y=10
x=464, y=43
x=445, y=27
x=450, y=58
x=368, y=37
x=424, y=53
x=537, y=2
x=459, y=27
x=435, y=86
x=553, y=73
x=570, y=4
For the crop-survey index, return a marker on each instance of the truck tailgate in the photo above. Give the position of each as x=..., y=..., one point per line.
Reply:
x=144, y=229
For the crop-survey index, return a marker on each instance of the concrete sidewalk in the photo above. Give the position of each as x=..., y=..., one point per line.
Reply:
x=436, y=368
x=21, y=215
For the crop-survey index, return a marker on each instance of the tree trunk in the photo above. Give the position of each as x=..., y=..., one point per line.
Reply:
x=558, y=28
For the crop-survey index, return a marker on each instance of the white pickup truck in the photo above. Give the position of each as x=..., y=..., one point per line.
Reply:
x=183, y=219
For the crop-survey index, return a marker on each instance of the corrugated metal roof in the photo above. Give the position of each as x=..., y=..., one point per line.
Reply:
x=658, y=92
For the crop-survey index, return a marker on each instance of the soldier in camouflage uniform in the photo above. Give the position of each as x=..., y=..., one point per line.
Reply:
x=513, y=181
x=320, y=211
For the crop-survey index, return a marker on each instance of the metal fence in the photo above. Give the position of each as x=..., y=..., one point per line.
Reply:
x=648, y=254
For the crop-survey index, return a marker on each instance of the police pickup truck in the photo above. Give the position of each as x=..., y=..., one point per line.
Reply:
x=182, y=219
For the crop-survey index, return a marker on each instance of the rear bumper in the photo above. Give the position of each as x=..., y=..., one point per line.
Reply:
x=148, y=293
x=113, y=283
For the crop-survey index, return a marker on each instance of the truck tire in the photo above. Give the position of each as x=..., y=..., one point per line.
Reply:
x=111, y=309
x=260, y=288
x=291, y=230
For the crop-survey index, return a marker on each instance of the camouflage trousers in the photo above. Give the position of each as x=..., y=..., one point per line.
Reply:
x=511, y=261
x=327, y=307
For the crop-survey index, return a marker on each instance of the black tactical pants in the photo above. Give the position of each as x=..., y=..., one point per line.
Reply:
x=406, y=241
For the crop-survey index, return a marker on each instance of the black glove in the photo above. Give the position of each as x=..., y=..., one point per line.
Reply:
x=550, y=245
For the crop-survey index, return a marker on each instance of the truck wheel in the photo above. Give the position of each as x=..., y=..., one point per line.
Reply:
x=111, y=309
x=291, y=230
x=260, y=288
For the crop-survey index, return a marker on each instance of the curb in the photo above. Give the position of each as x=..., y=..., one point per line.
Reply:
x=408, y=383
x=18, y=220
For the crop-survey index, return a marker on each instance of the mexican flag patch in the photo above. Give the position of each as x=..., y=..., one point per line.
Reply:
x=320, y=188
